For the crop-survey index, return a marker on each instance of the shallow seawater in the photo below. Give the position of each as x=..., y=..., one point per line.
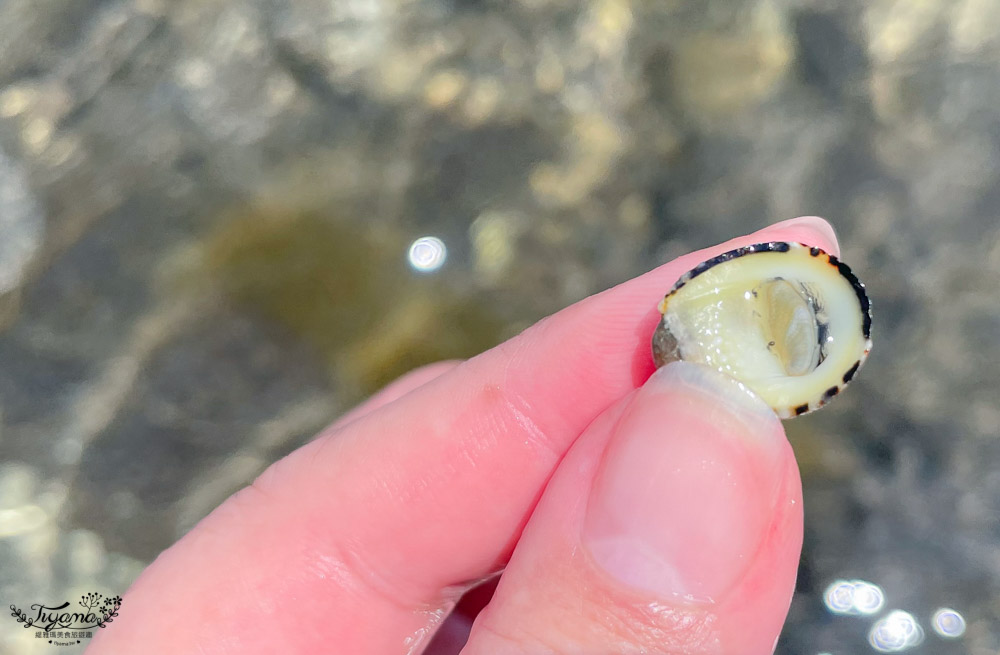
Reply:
x=211, y=224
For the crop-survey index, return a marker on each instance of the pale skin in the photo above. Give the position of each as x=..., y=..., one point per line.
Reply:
x=629, y=512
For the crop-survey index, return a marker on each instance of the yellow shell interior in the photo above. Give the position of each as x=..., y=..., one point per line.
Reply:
x=786, y=324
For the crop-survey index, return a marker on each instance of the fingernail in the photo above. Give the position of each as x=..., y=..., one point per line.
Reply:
x=685, y=493
x=820, y=227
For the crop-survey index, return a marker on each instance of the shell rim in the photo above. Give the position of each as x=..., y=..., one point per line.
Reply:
x=782, y=246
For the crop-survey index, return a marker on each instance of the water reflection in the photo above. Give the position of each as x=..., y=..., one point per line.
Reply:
x=427, y=254
x=895, y=632
x=854, y=597
x=948, y=623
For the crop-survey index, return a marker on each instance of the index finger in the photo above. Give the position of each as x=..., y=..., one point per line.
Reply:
x=364, y=537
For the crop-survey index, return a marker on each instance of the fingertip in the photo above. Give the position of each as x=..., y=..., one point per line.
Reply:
x=811, y=230
x=674, y=525
x=687, y=488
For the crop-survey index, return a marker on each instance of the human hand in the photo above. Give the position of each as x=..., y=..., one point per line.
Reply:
x=629, y=512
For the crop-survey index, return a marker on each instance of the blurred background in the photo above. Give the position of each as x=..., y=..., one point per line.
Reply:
x=224, y=222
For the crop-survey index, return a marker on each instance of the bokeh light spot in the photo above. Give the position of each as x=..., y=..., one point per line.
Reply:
x=895, y=632
x=948, y=623
x=427, y=254
x=854, y=597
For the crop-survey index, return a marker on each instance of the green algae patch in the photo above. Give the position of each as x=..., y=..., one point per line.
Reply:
x=347, y=291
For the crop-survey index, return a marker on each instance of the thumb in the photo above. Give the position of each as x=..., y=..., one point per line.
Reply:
x=673, y=525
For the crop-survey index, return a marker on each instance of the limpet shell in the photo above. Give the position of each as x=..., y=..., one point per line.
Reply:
x=789, y=321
